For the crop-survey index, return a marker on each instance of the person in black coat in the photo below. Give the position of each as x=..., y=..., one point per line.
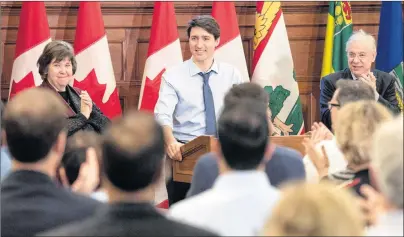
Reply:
x=133, y=155
x=31, y=200
x=57, y=65
x=361, y=53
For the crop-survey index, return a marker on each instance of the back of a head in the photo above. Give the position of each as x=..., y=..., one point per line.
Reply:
x=247, y=90
x=243, y=134
x=355, y=127
x=387, y=160
x=133, y=151
x=75, y=152
x=315, y=209
x=33, y=120
x=352, y=91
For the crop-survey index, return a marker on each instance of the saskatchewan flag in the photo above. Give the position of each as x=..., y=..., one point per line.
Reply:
x=273, y=69
x=390, y=44
x=339, y=29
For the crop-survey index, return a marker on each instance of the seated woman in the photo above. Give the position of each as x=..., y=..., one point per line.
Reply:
x=57, y=65
x=354, y=130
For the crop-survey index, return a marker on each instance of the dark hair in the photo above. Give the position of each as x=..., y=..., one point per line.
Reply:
x=133, y=151
x=205, y=22
x=351, y=91
x=76, y=152
x=247, y=90
x=243, y=134
x=57, y=50
x=33, y=120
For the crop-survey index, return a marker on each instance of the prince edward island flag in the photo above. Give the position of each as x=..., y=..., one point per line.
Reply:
x=273, y=69
x=390, y=44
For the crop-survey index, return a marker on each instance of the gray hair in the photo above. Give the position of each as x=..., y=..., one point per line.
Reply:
x=387, y=160
x=352, y=91
x=362, y=36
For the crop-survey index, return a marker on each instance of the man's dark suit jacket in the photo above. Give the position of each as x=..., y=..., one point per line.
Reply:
x=127, y=219
x=31, y=202
x=384, y=85
x=285, y=164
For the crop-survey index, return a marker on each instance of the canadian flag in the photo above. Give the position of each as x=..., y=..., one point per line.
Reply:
x=230, y=48
x=32, y=37
x=94, y=67
x=164, y=51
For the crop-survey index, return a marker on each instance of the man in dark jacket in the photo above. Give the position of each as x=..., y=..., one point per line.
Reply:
x=133, y=155
x=31, y=201
x=361, y=53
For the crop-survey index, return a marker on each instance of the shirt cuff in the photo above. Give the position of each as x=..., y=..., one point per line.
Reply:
x=376, y=96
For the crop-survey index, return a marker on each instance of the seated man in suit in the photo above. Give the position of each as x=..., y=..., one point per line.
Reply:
x=133, y=154
x=31, y=201
x=285, y=164
x=242, y=197
x=361, y=53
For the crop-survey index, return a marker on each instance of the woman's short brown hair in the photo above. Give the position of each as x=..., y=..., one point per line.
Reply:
x=57, y=50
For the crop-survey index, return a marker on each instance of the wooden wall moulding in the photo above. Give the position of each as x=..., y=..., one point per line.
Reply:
x=127, y=25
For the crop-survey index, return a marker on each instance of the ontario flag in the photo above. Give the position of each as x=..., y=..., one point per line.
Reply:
x=94, y=67
x=230, y=48
x=164, y=51
x=32, y=37
x=273, y=69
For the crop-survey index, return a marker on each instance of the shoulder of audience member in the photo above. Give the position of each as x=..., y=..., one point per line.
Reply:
x=288, y=152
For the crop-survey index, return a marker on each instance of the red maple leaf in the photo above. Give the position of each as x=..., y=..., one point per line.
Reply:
x=96, y=91
x=151, y=92
x=25, y=83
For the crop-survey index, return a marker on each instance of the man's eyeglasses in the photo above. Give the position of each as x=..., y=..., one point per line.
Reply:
x=330, y=105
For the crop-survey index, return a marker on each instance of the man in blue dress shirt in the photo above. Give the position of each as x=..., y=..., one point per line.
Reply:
x=191, y=94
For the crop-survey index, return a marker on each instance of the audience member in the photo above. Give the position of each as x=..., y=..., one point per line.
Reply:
x=285, y=164
x=354, y=130
x=132, y=153
x=31, y=201
x=318, y=209
x=78, y=147
x=242, y=196
x=387, y=166
x=5, y=155
x=347, y=91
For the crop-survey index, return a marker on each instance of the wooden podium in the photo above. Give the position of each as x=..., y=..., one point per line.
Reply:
x=183, y=170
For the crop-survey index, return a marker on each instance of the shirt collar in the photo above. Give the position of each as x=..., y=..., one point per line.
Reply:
x=194, y=70
x=235, y=180
x=354, y=77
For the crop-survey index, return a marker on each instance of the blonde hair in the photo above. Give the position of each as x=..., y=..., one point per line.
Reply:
x=354, y=128
x=315, y=209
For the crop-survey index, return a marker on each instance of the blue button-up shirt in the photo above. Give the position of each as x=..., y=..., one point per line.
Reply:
x=180, y=104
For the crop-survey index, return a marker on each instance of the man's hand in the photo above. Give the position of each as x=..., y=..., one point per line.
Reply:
x=173, y=151
x=369, y=79
x=319, y=132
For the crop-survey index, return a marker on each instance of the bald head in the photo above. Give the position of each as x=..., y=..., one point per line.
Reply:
x=133, y=151
x=33, y=120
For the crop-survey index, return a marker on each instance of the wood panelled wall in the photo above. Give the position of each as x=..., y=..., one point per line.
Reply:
x=128, y=28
